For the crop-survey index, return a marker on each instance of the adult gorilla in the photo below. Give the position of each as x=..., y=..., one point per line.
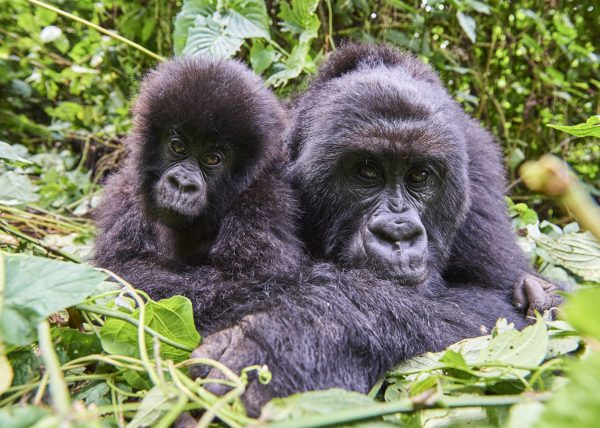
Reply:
x=382, y=160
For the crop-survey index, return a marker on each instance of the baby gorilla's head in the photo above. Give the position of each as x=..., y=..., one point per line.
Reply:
x=203, y=131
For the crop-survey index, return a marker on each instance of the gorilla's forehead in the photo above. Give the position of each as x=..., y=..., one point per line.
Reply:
x=384, y=111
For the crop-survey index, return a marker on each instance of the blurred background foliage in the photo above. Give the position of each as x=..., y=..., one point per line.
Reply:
x=515, y=65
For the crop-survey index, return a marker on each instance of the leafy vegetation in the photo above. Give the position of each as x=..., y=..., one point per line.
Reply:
x=80, y=347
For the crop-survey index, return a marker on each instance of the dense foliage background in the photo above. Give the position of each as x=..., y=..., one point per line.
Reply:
x=65, y=91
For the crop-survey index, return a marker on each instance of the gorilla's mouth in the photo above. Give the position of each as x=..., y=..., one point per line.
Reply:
x=405, y=263
x=178, y=206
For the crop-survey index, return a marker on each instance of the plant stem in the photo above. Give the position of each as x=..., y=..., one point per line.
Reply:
x=58, y=387
x=109, y=33
x=38, y=243
x=404, y=406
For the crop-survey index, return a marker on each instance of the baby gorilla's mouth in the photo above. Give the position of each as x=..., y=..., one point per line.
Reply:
x=176, y=205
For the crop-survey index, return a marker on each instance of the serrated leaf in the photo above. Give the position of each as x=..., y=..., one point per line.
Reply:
x=298, y=16
x=219, y=30
x=173, y=318
x=468, y=24
x=185, y=19
x=589, y=129
x=525, y=348
x=209, y=38
x=577, y=252
x=37, y=287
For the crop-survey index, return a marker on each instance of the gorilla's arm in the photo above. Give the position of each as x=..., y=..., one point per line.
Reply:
x=346, y=330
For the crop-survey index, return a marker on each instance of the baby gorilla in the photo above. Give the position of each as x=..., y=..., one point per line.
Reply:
x=198, y=208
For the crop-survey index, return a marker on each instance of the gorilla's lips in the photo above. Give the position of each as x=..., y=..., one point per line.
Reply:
x=178, y=206
x=405, y=262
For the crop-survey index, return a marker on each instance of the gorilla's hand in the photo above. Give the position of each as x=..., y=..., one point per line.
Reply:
x=536, y=294
x=235, y=350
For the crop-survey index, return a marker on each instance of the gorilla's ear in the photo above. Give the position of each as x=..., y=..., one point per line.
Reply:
x=354, y=56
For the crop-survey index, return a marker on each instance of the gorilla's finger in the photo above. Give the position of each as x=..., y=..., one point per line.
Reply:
x=185, y=420
x=519, y=296
x=212, y=348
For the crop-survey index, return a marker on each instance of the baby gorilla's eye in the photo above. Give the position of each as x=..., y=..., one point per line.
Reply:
x=368, y=170
x=417, y=175
x=178, y=146
x=212, y=159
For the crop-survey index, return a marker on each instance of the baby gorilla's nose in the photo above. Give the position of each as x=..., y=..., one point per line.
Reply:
x=182, y=182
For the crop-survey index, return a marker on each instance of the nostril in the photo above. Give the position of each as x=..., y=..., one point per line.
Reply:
x=189, y=188
x=172, y=180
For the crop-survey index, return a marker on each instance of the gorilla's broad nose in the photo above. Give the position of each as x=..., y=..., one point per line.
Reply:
x=398, y=233
x=182, y=182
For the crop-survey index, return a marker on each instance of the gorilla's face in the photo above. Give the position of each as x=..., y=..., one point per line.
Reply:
x=382, y=176
x=192, y=171
x=394, y=194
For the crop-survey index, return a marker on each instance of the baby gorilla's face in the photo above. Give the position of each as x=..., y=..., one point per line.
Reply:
x=190, y=173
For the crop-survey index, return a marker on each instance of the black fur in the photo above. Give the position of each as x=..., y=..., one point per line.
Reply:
x=345, y=327
x=246, y=232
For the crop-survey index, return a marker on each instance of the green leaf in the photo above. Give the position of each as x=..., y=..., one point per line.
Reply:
x=202, y=28
x=186, y=18
x=25, y=364
x=21, y=416
x=153, y=406
x=208, y=37
x=313, y=403
x=37, y=287
x=591, y=128
x=298, y=16
x=468, y=24
x=6, y=370
x=525, y=348
x=577, y=252
x=75, y=343
x=262, y=57
x=17, y=189
x=576, y=405
x=173, y=318
x=8, y=152
x=581, y=311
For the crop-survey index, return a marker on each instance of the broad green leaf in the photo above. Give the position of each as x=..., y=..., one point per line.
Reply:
x=37, y=287
x=75, y=343
x=262, y=57
x=581, y=310
x=173, y=318
x=208, y=37
x=8, y=152
x=313, y=403
x=577, y=252
x=219, y=29
x=153, y=406
x=21, y=416
x=591, y=128
x=525, y=348
x=468, y=24
x=25, y=364
x=298, y=16
x=186, y=18
x=17, y=189
x=245, y=18
x=576, y=405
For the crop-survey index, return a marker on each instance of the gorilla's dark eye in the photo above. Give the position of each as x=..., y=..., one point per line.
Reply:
x=417, y=175
x=178, y=146
x=212, y=159
x=368, y=170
